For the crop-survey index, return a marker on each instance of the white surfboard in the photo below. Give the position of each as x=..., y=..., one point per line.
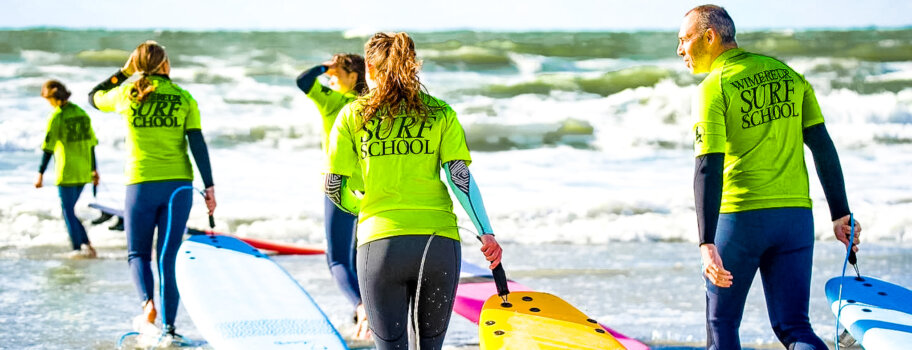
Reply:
x=238, y=298
x=877, y=314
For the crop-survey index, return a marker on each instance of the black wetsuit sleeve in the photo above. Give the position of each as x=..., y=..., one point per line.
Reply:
x=826, y=160
x=306, y=79
x=108, y=84
x=708, y=194
x=94, y=164
x=201, y=155
x=45, y=159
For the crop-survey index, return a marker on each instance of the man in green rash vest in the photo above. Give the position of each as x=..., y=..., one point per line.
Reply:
x=71, y=141
x=753, y=115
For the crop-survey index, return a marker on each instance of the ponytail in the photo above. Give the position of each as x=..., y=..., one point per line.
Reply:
x=398, y=91
x=54, y=89
x=150, y=58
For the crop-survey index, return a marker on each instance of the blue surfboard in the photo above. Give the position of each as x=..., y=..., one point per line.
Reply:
x=239, y=298
x=876, y=313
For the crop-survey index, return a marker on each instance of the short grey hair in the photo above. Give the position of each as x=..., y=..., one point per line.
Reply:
x=715, y=17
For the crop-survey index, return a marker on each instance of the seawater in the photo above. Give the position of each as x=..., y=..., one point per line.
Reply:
x=581, y=147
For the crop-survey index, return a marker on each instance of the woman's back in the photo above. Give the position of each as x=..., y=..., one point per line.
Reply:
x=156, y=143
x=400, y=160
x=71, y=138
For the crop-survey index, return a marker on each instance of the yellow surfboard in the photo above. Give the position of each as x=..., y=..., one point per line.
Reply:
x=534, y=320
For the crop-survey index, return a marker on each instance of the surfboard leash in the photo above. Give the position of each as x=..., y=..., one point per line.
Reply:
x=850, y=257
x=161, y=255
x=123, y=337
x=415, y=313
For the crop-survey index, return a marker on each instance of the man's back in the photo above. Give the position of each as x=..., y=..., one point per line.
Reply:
x=753, y=108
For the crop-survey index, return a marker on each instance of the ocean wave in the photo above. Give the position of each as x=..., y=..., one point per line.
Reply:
x=604, y=85
x=102, y=58
x=37, y=57
x=231, y=137
x=359, y=33
x=466, y=57
x=868, y=45
x=482, y=136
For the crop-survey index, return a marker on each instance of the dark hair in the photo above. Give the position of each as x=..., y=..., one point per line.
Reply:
x=56, y=90
x=715, y=17
x=353, y=63
x=398, y=91
x=150, y=58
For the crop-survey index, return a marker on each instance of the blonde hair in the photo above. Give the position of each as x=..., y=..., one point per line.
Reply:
x=398, y=89
x=54, y=89
x=150, y=58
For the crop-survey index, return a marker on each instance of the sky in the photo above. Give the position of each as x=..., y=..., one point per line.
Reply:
x=430, y=15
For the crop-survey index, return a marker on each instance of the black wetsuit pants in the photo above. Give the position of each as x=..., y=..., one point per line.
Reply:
x=779, y=242
x=388, y=272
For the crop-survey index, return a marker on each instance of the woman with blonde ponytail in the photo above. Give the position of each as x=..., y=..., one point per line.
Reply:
x=162, y=119
x=399, y=137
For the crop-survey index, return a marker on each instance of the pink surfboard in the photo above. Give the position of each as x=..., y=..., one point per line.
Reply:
x=476, y=285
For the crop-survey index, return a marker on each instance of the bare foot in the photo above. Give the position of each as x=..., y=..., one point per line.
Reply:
x=362, y=328
x=149, y=311
x=84, y=252
x=87, y=251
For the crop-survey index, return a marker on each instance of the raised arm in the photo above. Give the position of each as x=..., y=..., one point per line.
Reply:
x=110, y=83
x=307, y=78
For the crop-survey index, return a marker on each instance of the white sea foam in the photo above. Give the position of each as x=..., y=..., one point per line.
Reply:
x=625, y=178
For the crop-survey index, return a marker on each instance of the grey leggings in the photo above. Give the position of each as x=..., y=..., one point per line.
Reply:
x=388, y=276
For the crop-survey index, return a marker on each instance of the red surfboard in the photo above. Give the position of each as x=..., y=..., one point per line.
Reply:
x=262, y=244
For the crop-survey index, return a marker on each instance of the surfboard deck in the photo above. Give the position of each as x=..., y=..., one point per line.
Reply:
x=238, y=298
x=476, y=286
x=262, y=244
x=878, y=314
x=539, y=321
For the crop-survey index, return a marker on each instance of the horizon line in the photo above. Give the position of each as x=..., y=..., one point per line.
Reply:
x=439, y=30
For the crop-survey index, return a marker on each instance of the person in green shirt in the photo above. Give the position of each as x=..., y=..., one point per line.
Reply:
x=71, y=141
x=753, y=115
x=399, y=137
x=346, y=72
x=162, y=121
